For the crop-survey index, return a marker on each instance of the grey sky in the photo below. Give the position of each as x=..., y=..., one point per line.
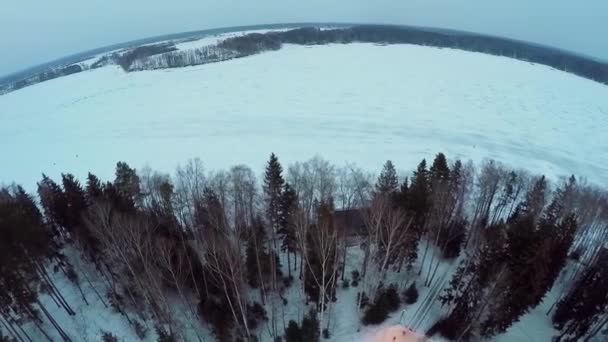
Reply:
x=35, y=31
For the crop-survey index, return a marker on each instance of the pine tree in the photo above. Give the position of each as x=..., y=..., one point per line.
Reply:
x=535, y=199
x=76, y=203
x=410, y=296
x=310, y=327
x=439, y=170
x=127, y=186
x=388, y=182
x=94, y=188
x=27, y=244
x=536, y=254
x=419, y=191
x=273, y=189
x=293, y=333
x=585, y=302
x=54, y=203
x=418, y=201
x=257, y=256
x=289, y=202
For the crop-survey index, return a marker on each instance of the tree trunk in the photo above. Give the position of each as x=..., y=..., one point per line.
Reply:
x=76, y=282
x=426, y=249
x=288, y=263
x=10, y=329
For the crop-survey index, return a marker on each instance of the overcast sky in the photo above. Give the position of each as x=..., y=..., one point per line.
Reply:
x=36, y=31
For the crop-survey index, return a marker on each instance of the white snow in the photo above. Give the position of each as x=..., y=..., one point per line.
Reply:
x=360, y=103
x=190, y=44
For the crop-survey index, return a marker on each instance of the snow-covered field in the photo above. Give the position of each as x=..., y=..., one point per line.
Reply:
x=359, y=103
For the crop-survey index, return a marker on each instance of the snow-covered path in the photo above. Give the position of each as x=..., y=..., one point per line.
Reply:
x=361, y=103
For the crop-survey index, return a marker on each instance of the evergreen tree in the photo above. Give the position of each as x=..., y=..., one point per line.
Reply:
x=94, y=188
x=410, y=296
x=289, y=202
x=127, y=185
x=453, y=238
x=257, y=256
x=386, y=301
x=53, y=202
x=440, y=172
x=273, y=189
x=536, y=253
x=388, y=182
x=417, y=203
x=419, y=191
x=293, y=333
x=402, y=196
x=585, y=302
x=76, y=204
x=27, y=245
x=310, y=327
x=535, y=199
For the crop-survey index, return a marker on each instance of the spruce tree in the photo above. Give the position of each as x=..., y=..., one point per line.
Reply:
x=585, y=302
x=440, y=172
x=293, y=333
x=388, y=182
x=418, y=204
x=127, y=185
x=94, y=188
x=419, y=191
x=76, y=202
x=257, y=256
x=536, y=254
x=287, y=229
x=53, y=202
x=310, y=327
x=273, y=189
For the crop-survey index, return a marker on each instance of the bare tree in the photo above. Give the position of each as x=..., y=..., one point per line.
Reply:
x=354, y=187
x=320, y=256
x=127, y=242
x=387, y=228
x=225, y=260
x=242, y=195
x=190, y=182
x=313, y=180
x=487, y=187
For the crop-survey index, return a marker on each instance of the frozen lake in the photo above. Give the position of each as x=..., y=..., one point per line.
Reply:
x=360, y=103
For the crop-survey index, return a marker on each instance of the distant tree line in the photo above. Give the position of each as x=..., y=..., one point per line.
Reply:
x=254, y=43
x=227, y=248
x=166, y=55
x=123, y=58
x=41, y=77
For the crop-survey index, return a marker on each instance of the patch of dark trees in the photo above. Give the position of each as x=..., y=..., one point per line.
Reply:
x=41, y=77
x=125, y=59
x=165, y=55
x=212, y=241
x=255, y=43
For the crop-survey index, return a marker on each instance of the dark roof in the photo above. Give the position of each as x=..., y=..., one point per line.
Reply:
x=350, y=220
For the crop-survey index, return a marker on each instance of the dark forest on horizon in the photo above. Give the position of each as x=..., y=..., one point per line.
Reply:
x=165, y=55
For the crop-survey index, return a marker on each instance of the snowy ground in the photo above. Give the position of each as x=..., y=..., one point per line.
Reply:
x=360, y=103
x=345, y=324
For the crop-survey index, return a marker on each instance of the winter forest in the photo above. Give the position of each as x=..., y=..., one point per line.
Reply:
x=230, y=256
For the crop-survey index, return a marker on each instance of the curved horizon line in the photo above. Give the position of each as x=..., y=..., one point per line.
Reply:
x=228, y=29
